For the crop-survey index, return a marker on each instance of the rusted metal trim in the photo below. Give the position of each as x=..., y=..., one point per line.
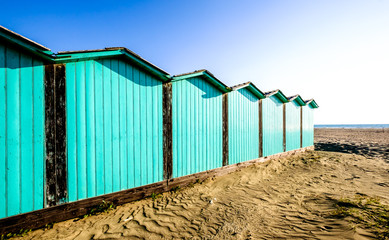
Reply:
x=260, y=129
x=167, y=131
x=225, y=128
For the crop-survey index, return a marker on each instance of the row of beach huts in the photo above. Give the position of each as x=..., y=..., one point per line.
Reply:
x=106, y=123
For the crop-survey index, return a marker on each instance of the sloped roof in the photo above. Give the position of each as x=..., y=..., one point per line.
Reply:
x=25, y=43
x=312, y=103
x=112, y=52
x=204, y=74
x=278, y=94
x=298, y=99
x=251, y=87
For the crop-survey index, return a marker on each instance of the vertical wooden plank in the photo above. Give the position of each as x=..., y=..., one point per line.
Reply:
x=71, y=112
x=39, y=130
x=123, y=125
x=60, y=133
x=225, y=129
x=130, y=127
x=167, y=131
x=50, y=136
x=107, y=91
x=137, y=131
x=143, y=128
x=90, y=128
x=149, y=128
x=26, y=133
x=284, y=126
x=115, y=125
x=3, y=132
x=81, y=131
x=99, y=126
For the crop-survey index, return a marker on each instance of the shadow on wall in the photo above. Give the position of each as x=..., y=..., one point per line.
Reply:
x=370, y=151
x=209, y=91
x=245, y=93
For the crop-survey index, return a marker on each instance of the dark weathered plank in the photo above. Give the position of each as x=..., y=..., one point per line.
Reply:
x=167, y=131
x=301, y=126
x=60, y=133
x=260, y=129
x=50, y=135
x=225, y=128
x=284, y=125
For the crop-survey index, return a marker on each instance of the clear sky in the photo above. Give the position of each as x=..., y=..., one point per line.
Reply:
x=335, y=51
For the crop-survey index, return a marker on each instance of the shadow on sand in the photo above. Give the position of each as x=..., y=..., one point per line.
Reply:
x=370, y=151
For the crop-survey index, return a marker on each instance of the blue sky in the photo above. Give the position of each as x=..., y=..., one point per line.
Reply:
x=336, y=51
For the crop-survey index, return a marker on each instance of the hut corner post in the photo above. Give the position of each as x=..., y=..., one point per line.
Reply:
x=55, y=134
x=301, y=126
x=225, y=128
x=260, y=129
x=284, y=125
x=167, y=131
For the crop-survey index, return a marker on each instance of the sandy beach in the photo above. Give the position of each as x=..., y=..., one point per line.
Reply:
x=289, y=198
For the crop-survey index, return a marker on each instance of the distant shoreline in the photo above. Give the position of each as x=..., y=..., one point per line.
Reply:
x=351, y=126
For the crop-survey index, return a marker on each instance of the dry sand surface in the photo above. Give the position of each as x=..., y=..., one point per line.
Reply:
x=288, y=198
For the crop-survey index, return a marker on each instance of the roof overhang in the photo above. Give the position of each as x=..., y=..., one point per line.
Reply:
x=25, y=43
x=298, y=99
x=278, y=94
x=205, y=74
x=252, y=88
x=71, y=56
x=312, y=103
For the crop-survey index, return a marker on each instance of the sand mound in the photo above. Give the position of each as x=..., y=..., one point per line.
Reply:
x=287, y=198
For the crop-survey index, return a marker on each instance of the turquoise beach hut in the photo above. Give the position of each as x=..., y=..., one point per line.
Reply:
x=243, y=122
x=293, y=122
x=114, y=121
x=273, y=123
x=197, y=122
x=22, y=123
x=308, y=125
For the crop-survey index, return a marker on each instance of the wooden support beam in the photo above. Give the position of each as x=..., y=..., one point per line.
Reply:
x=55, y=131
x=284, y=125
x=301, y=126
x=225, y=128
x=167, y=131
x=260, y=129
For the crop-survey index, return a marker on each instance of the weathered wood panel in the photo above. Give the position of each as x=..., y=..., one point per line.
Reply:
x=225, y=129
x=167, y=131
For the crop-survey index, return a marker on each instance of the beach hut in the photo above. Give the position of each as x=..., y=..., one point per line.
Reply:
x=22, y=123
x=197, y=122
x=308, y=125
x=114, y=121
x=293, y=122
x=273, y=122
x=243, y=123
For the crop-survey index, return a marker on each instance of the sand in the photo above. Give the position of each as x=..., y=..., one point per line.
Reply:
x=287, y=198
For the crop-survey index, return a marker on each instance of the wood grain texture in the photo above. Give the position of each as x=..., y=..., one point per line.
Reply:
x=260, y=129
x=167, y=131
x=225, y=128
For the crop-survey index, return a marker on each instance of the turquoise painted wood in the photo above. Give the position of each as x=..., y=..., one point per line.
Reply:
x=114, y=127
x=22, y=120
x=197, y=126
x=272, y=129
x=243, y=126
x=307, y=126
x=293, y=121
